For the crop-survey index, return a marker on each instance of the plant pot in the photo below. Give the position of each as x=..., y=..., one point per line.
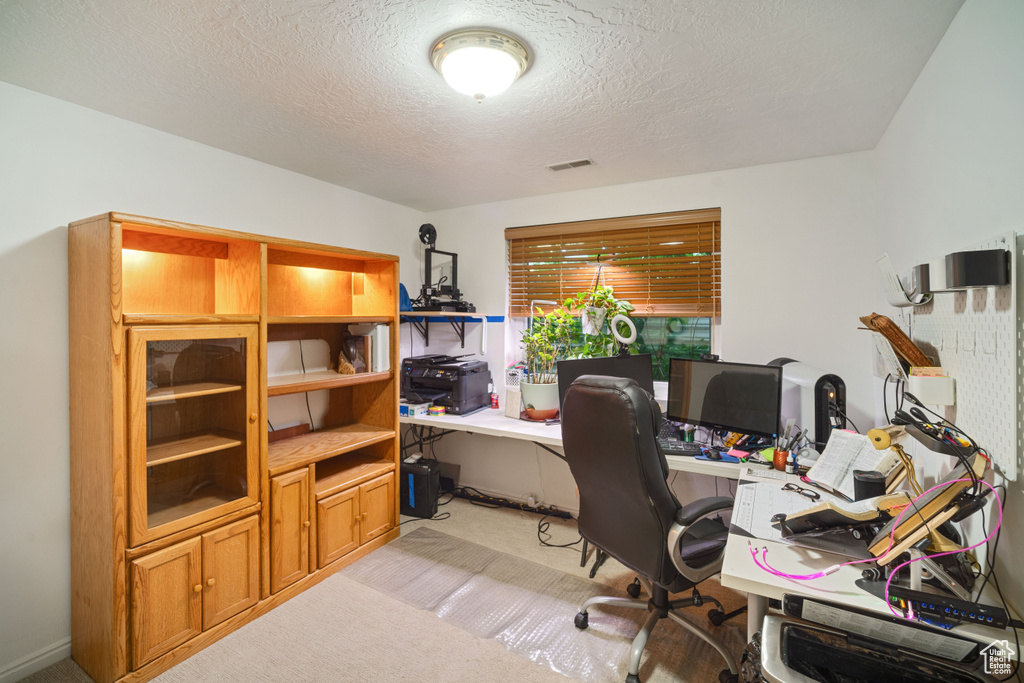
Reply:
x=540, y=401
x=591, y=320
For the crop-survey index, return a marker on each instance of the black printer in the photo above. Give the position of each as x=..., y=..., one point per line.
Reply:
x=458, y=385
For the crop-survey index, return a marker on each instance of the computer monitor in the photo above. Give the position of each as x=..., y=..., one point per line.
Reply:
x=737, y=397
x=636, y=367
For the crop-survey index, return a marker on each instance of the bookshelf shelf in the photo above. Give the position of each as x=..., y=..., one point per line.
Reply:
x=323, y=379
x=311, y=447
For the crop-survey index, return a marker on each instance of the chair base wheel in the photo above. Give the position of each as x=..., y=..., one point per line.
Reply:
x=728, y=677
x=632, y=678
x=717, y=617
x=633, y=589
x=581, y=621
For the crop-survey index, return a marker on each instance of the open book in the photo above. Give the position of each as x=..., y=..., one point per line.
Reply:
x=846, y=452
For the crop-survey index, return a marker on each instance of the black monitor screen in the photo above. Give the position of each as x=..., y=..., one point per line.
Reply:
x=632, y=367
x=733, y=396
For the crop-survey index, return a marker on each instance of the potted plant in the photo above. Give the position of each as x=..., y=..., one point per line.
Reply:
x=557, y=335
x=545, y=342
x=597, y=309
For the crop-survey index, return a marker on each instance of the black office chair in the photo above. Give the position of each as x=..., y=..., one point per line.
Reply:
x=627, y=509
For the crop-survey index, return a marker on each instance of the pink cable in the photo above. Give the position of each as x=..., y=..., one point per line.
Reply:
x=763, y=562
x=999, y=523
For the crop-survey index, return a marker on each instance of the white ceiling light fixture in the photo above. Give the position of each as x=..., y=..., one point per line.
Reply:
x=479, y=62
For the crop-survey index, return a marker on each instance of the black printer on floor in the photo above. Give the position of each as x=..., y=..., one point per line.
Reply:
x=457, y=384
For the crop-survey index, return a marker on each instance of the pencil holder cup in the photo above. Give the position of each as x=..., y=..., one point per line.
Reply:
x=779, y=460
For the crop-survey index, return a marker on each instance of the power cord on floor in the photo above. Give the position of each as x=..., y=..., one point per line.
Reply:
x=542, y=529
x=437, y=517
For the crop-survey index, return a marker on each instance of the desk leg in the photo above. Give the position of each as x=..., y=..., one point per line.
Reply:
x=757, y=607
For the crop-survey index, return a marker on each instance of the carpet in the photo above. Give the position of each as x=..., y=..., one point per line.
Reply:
x=529, y=608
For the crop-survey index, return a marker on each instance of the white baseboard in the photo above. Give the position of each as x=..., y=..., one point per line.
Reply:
x=37, y=661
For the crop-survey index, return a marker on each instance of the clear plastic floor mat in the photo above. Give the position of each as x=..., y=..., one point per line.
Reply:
x=529, y=608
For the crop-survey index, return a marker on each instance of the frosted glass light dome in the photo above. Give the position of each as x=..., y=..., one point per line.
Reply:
x=479, y=62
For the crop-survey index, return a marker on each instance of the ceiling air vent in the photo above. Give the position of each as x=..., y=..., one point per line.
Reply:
x=570, y=164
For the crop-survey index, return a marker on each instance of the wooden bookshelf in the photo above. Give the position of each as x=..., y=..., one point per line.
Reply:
x=174, y=481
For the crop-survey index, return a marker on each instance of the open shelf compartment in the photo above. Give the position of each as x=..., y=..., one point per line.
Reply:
x=212, y=275
x=306, y=282
x=343, y=472
x=311, y=447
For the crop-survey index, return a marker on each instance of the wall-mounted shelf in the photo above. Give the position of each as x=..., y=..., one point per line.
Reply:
x=421, y=320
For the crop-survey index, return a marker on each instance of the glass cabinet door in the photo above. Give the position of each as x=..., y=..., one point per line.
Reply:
x=193, y=439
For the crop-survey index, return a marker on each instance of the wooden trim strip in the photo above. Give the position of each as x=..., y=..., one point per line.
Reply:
x=621, y=223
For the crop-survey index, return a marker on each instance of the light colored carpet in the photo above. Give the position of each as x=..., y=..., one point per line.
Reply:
x=529, y=608
x=342, y=630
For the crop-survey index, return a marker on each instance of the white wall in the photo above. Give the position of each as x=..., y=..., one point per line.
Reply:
x=800, y=241
x=63, y=163
x=951, y=171
x=798, y=245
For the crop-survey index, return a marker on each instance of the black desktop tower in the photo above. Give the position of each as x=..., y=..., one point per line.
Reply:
x=420, y=483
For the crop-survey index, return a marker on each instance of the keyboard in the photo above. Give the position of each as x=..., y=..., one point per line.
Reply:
x=677, y=447
x=671, y=444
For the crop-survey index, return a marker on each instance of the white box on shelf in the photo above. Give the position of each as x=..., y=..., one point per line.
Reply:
x=933, y=391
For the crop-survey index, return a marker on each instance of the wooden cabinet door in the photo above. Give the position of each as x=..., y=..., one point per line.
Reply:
x=193, y=429
x=377, y=503
x=166, y=600
x=289, y=528
x=230, y=570
x=337, y=525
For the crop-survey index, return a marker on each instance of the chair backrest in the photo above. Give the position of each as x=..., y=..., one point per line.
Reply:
x=609, y=430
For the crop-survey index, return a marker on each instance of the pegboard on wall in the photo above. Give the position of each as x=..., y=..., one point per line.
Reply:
x=974, y=335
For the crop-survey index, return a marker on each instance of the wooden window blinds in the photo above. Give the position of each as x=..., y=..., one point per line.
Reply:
x=666, y=265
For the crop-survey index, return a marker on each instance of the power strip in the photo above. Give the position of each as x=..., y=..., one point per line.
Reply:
x=943, y=611
x=505, y=503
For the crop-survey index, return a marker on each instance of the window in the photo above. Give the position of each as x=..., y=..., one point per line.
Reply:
x=667, y=265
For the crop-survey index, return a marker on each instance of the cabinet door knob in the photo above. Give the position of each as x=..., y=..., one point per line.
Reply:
x=252, y=417
x=306, y=523
x=197, y=588
x=211, y=581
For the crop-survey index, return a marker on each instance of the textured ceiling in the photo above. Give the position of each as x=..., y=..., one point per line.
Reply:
x=344, y=90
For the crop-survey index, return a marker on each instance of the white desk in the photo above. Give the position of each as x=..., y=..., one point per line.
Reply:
x=740, y=573
x=494, y=423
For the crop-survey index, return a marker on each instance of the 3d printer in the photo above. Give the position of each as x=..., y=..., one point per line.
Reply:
x=442, y=293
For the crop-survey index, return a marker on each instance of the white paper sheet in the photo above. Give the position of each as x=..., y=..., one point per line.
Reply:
x=757, y=503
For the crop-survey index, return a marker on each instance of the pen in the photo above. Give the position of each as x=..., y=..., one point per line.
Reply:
x=796, y=439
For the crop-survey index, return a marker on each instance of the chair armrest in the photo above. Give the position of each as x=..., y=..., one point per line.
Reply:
x=685, y=518
x=691, y=512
